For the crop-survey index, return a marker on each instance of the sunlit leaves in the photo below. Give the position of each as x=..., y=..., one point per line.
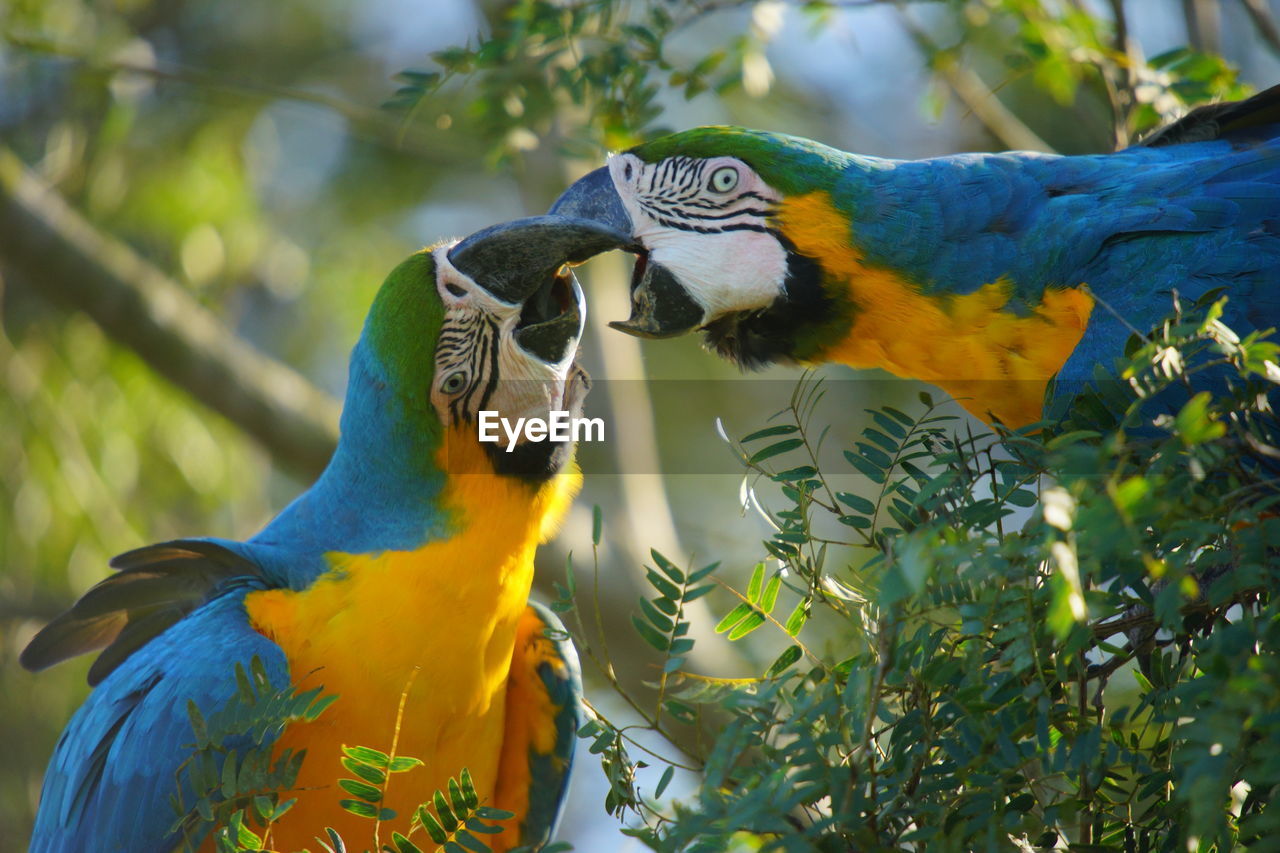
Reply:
x=235, y=787
x=978, y=638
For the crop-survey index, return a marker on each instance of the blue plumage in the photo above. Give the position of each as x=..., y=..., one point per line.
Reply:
x=116, y=764
x=109, y=782
x=858, y=240
x=174, y=620
x=550, y=772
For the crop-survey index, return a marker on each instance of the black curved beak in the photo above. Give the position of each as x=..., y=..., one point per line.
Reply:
x=594, y=197
x=661, y=307
x=525, y=262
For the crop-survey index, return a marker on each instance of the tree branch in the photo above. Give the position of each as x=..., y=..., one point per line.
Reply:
x=974, y=94
x=138, y=306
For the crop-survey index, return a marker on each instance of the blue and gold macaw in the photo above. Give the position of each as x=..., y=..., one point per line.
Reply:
x=413, y=552
x=984, y=274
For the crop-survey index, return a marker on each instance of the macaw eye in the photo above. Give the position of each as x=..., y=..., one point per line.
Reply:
x=723, y=179
x=454, y=382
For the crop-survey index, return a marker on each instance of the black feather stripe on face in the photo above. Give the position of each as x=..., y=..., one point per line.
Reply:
x=794, y=327
x=675, y=196
x=469, y=343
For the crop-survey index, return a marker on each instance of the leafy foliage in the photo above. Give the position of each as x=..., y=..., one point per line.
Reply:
x=1060, y=635
x=184, y=161
x=593, y=73
x=247, y=793
x=231, y=776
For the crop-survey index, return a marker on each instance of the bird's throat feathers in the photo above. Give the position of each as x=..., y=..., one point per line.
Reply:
x=491, y=525
x=435, y=625
x=994, y=359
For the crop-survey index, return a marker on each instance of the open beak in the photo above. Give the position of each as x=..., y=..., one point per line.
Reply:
x=526, y=262
x=661, y=307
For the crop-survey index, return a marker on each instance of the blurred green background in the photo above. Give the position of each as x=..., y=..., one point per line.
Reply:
x=241, y=148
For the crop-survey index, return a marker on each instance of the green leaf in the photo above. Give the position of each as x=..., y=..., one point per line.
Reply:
x=657, y=619
x=264, y=806
x=360, y=807
x=243, y=686
x=800, y=615
x=662, y=585
x=367, y=756
x=198, y=725
x=475, y=824
x=490, y=813
x=697, y=592
x=468, y=788
x=856, y=502
x=650, y=634
x=803, y=472
x=1021, y=497
x=874, y=473
x=703, y=572
x=446, y=815
x=770, y=597
x=788, y=657
x=668, y=567
x=889, y=424
x=769, y=432
x=282, y=808
x=228, y=787
x=753, y=621
x=363, y=790
x=756, y=583
x=733, y=617
x=318, y=707
x=404, y=845
x=431, y=825
x=1196, y=424
x=775, y=450
x=364, y=771
x=470, y=842
x=667, y=776
x=401, y=763
x=456, y=799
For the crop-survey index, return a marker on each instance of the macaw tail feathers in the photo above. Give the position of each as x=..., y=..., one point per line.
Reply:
x=1252, y=120
x=156, y=586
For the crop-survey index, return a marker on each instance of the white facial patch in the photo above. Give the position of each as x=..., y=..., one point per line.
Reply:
x=474, y=319
x=706, y=221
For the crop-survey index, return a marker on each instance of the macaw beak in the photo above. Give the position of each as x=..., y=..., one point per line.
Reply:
x=594, y=197
x=526, y=262
x=661, y=307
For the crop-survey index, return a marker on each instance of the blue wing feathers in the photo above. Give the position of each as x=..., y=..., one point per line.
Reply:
x=1134, y=225
x=114, y=768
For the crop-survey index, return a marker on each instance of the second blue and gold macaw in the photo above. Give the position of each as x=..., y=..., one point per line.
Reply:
x=984, y=274
x=413, y=553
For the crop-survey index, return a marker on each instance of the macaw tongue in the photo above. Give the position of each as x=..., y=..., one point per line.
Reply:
x=553, y=319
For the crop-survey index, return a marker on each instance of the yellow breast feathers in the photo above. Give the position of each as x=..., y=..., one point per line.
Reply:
x=995, y=362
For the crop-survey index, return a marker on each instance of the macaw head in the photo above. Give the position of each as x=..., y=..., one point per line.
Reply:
x=702, y=207
x=487, y=324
